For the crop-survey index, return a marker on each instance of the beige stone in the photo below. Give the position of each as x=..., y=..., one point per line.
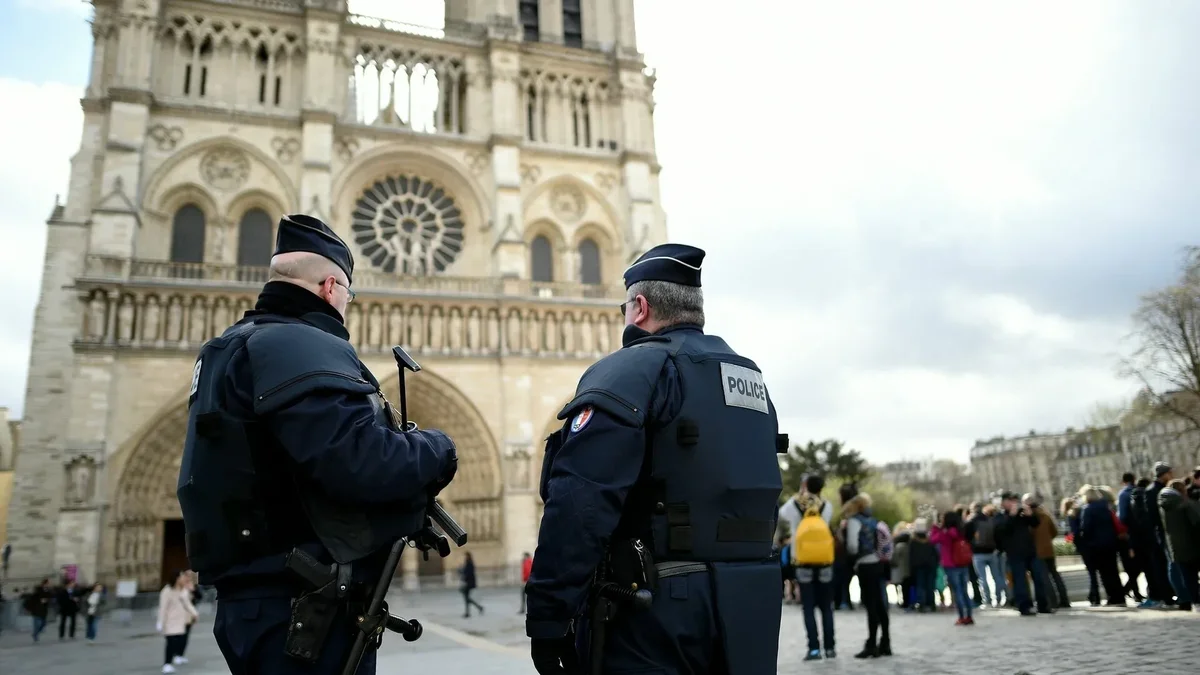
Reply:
x=480, y=138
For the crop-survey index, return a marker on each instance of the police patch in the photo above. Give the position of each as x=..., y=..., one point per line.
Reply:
x=196, y=377
x=744, y=388
x=581, y=420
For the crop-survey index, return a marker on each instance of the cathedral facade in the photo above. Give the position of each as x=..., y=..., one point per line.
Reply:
x=493, y=177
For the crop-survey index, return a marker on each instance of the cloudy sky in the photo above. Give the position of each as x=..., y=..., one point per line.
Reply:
x=928, y=225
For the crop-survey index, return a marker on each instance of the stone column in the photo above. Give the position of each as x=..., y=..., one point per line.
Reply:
x=509, y=257
x=324, y=96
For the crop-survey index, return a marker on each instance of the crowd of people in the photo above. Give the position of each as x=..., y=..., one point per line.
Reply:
x=988, y=555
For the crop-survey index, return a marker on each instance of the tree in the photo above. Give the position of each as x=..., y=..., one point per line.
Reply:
x=828, y=458
x=1106, y=414
x=890, y=503
x=1166, y=360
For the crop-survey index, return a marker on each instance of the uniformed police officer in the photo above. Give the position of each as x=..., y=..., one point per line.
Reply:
x=664, y=469
x=292, y=455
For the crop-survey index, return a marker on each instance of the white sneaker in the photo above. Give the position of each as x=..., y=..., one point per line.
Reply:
x=168, y=668
x=180, y=660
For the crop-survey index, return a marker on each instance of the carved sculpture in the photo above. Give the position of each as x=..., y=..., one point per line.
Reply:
x=225, y=168
x=81, y=480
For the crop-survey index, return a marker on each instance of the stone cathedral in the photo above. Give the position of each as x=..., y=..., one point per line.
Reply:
x=494, y=177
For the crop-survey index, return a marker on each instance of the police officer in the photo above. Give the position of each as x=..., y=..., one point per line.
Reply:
x=663, y=476
x=294, y=462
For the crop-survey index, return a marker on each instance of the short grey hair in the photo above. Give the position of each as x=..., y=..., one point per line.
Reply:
x=671, y=303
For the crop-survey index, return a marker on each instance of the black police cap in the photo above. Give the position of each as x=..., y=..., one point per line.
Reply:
x=676, y=263
x=298, y=232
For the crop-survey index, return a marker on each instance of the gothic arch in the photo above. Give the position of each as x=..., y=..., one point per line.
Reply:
x=156, y=185
x=610, y=213
x=610, y=269
x=252, y=199
x=559, y=263
x=387, y=161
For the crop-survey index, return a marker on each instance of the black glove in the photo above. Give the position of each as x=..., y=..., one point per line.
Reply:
x=555, y=656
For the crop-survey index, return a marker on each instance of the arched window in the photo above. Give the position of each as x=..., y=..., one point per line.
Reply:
x=187, y=235
x=589, y=262
x=541, y=259
x=254, y=239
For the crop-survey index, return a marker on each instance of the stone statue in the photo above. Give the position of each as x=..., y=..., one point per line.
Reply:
x=395, y=325
x=474, y=330
x=568, y=333
x=437, y=329
x=354, y=326
x=375, y=327
x=96, y=316
x=125, y=320
x=532, y=338
x=512, y=342
x=220, y=317
x=605, y=334
x=150, y=319
x=493, y=331
x=174, y=331
x=456, y=329
x=416, y=325
x=587, y=335
x=551, y=330
x=80, y=480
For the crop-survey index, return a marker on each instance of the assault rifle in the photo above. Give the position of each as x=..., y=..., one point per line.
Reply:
x=439, y=525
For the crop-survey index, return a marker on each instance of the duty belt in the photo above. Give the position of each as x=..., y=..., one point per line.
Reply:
x=675, y=569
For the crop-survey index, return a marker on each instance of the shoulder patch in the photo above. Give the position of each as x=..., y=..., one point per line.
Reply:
x=744, y=388
x=196, y=377
x=581, y=420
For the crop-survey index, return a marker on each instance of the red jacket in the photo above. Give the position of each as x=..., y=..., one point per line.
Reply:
x=526, y=568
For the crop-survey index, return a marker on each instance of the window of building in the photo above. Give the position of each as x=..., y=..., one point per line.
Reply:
x=541, y=259
x=255, y=243
x=572, y=17
x=589, y=262
x=187, y=235
x=529, y=19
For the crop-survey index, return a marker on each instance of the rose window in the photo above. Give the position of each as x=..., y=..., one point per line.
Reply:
x=408, y=225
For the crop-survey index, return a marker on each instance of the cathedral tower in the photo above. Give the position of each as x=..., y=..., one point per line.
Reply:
x=493, y=176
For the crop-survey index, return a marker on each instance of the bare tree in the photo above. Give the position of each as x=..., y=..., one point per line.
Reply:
x=1105, y=414
x=1167, y=356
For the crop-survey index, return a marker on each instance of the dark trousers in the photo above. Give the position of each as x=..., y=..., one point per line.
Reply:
x=1156, y=573
x=870, y=583
x=818, y=596
x=843, y=572
x=523, y=587
x=1191, y=578
x=63, y=619
x=187, y=633
x=469, y=602
x=924, y=581
x=1057, y=587
x=973, y=577
x=1105, y=561
x=252, y=633
x=1132, y=565
x=175, y=646
x=1019, y=565
x=91, y=627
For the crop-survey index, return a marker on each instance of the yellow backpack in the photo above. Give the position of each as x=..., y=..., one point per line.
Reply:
x=812, y=545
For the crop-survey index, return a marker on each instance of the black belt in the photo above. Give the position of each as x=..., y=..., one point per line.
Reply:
x=675, y=569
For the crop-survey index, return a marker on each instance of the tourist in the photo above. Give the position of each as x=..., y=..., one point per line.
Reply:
x=175, y=612
x=68, y=608
x=467, y=573
x=93, y=609
x=955, y=557
x=861, y=538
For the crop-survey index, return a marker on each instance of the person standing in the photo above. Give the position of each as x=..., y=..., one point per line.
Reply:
x=67, y=599
x=94, y=599
x=175, y=612
x=526, y=566
x=667, y=458
x=37, y=603
x=861, y=539
x=292, y=452
x=813, y=555
x=1014, y=533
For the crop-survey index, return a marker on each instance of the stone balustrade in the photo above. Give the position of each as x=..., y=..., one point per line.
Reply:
x=177, y=306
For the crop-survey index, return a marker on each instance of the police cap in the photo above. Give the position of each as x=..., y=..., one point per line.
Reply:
x=676, y=263
x=298, y=232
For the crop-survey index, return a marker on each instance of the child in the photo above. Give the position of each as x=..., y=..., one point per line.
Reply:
x=923, y=561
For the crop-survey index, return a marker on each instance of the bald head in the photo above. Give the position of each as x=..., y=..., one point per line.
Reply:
x=312, y=272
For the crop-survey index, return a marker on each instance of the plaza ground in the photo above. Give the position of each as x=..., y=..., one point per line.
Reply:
x=1080, y=640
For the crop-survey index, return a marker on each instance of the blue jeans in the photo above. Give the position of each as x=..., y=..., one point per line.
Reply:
x=39, y=625
x=990, y=562
x=1175, y=573
x=1019, y=566
x=957, y=578
x=924, y=583
x=817, y=595
x=91, y=627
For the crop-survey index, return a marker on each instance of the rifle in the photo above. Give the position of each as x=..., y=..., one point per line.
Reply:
x=439, y=525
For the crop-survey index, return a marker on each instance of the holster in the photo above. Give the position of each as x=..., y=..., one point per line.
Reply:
x=627, y=567
x=314, y=612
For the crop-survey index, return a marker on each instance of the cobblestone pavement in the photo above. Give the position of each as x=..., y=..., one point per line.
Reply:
x=1080, y=640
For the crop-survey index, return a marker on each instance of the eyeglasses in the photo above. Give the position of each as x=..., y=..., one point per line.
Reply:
x=352, y=293
x=625, y=304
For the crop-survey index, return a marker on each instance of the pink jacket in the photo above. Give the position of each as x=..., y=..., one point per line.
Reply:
x=944, y=540
x=175, y=611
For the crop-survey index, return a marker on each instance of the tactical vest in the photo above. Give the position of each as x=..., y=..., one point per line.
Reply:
x=241, y=501
x=711, y=486
x=714, y=467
